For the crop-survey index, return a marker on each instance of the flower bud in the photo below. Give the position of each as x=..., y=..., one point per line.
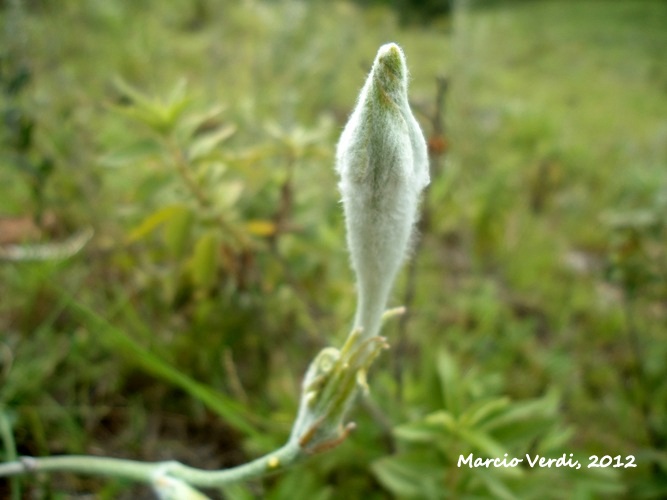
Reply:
x=383, y=166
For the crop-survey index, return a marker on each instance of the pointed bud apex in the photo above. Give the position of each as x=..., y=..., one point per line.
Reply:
x=383, y=166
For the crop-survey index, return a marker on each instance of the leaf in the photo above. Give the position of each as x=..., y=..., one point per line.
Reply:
x=260, y=227
x=412, y=475
x=233, y=413
x=153, y=116
x=132, y=93
x=524, y=421
x=177, y=231
x=204, y=145
x=179, y=92
x=47, y=251
x=150, y=223
x=237, y=491
x=482, y=410
x=227, y=194
x=521, y=412
x=207, y=120
x=297, y=486
x=525, y=433
x=444, y=419
x=418, y=432
x=161, y=116
x=484, y=443
x=205, y=260
x=556, y=439
x=450, y=382
x=495, y=485
x=131, y=154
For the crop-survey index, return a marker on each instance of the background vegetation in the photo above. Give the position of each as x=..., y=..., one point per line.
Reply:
x=196, y=138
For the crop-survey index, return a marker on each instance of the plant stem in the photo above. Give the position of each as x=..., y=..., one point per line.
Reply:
x=275, y=461
x=7, y=439
x=146, y=471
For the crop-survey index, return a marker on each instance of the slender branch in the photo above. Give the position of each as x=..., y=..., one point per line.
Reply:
x=275, y=461
x=147, y=471
x=88, y=465
x=9, y=444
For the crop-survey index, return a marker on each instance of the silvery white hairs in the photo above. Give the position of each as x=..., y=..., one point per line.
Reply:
x=382, y=161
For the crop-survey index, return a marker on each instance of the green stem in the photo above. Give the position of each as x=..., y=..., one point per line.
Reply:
x=147, y=471
x=10, y=450
x=275, y=461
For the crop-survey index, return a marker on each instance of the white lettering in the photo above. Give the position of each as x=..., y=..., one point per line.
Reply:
x=533, y=461
x=463, y=460
x=471, y=461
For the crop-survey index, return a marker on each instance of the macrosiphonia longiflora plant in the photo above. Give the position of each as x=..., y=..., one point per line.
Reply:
x=383, y=167
x=382, y=161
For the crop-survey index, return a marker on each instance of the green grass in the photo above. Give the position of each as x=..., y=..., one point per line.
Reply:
x=542, y=270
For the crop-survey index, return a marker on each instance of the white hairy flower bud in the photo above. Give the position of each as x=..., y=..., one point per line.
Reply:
x=383, y=166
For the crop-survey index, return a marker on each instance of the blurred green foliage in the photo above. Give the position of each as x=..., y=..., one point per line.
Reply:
x=197, y=139
x=414, y=11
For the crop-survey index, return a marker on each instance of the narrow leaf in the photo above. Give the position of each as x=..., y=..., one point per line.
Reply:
x=150, y=223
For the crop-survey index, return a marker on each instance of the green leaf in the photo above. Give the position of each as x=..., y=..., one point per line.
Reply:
x=233, y=413
x=295, y=485
x=555, y=440
x=523, y=421
x=138, y=98
x=227, y=194
x=525, y=433
x=205, y=120
x=419, y=432
x=450, y=382
x=444, y=419
x=481, y=410
x=203, y=146
x=258, y=227
x=177, y=231
x=205, y=259
x=237, y=491
x=161, y=116
x=131, y=154
x=411, y=475
x=495, y=485
x=483, y=442
x=522, y=412
x=150, y=223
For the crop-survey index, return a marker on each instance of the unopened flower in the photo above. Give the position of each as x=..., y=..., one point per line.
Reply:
x=383, y=166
